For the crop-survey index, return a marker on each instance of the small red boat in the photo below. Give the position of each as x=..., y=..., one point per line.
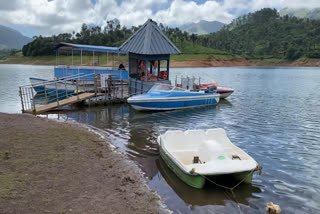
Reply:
x=222, y=90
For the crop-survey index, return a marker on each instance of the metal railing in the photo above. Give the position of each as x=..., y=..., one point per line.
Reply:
x=139, y=87
x=44, y=92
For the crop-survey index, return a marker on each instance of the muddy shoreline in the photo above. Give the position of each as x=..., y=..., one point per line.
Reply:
x=199, y=63
x=49, y=166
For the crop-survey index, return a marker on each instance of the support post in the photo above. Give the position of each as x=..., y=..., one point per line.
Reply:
x=33, y=102
x=57, y=96
x=158, y=69
x=58, y=58
x=72, y=55
x=112, y=61
x=77, y=89
x=146, y=70
x=45, y=92
x=81, y=57
x=65, y=86
x=168, y=65
x=20, y=94
x=95, y=84
x=92, y=58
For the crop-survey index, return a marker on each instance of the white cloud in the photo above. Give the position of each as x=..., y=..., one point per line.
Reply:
x=57, y=16
x=181, y=12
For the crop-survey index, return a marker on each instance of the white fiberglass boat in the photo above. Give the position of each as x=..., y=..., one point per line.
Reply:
x=195, y=154
x=168, y=97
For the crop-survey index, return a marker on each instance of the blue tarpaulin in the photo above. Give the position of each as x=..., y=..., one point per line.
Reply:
x=102, y=49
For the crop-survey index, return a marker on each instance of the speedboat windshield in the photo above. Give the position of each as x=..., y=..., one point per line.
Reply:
x=165, y=87
x=161, y=87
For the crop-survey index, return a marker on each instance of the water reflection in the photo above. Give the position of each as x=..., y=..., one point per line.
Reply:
x=273, y=115
x=207, y=196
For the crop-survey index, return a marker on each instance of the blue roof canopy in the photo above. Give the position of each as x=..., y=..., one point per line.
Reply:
x=102, y=49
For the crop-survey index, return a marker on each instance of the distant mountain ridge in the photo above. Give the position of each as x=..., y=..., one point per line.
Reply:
x=301, y=12
x=10, y=38
x=202, y=27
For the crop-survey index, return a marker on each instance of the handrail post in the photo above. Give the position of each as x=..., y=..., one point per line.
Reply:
x=33, y=102
x=95, y=84
x=45, y=93
x=65, y=86
x=57, y=97
x=77, y=89
x=20, y=94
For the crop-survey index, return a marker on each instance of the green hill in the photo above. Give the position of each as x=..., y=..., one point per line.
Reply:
x=265, y=34
x=202, y=27
x=192, y=51
x=10, y=38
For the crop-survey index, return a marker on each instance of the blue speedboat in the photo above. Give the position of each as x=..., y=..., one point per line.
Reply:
x=168, y=97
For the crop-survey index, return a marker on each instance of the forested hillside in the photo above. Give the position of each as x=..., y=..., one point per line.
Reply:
x=265, y=34
x=114, y=35
x=260, y=35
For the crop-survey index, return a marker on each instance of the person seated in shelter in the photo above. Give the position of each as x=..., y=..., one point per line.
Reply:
x=121, y=67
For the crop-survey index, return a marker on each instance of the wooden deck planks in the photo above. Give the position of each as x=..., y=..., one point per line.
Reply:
x=67, y=101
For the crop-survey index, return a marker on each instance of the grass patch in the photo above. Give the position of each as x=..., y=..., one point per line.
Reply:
x=6, y=155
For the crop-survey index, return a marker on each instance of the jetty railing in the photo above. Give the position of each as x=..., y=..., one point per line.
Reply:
x=41, y=96
x=139, y=87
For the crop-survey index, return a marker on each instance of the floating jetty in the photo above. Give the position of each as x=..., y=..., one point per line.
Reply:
x=54, y=94
x=148, y=51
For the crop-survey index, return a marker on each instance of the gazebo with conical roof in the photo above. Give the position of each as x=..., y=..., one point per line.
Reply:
x=148, y=47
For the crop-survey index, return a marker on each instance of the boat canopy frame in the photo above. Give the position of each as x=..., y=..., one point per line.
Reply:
x=64, y=47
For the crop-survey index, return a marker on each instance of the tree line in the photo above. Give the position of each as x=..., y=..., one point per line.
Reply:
x=259, y=35
x=266, y=34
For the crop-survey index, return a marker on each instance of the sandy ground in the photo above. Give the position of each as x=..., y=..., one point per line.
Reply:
x=52, y=167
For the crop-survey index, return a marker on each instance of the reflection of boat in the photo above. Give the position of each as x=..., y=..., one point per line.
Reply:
x=211, y=195
x=167, y=97
x=192, y=155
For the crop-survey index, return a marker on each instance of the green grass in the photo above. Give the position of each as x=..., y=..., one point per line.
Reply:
x=197, y=52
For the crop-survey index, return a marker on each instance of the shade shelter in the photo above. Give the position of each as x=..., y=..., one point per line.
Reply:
x=93, y=52
x=149, y=57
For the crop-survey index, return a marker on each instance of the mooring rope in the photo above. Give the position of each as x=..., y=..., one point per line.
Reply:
x=258, y=168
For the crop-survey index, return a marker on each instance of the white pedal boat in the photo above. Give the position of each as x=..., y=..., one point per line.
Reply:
x=195, y=154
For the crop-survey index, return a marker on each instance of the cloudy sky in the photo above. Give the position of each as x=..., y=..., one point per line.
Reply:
x=47, y=17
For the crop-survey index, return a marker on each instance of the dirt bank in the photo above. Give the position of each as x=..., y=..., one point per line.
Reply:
x=51, y=167
x=210, y=63
x=243, y=62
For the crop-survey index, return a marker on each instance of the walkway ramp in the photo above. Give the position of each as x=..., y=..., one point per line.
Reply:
x=45, y=95
x=60, y=103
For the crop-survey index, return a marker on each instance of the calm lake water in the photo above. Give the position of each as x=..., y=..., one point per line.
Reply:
x=274, y=115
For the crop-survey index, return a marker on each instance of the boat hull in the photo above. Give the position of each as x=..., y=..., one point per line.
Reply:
x=196, y=181
x=172, y=104
x=224, y=94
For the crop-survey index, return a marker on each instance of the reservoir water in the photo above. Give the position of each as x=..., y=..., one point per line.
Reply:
x=273, y=115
